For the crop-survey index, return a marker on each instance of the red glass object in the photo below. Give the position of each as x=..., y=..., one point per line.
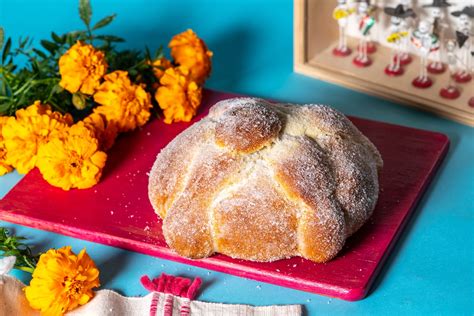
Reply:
x=471, y=102
x=342, y=52
x=450, y=92
x=462, y=77
x=117, y=212
x=422, y=82
x=436, y=68
x=405, y=59
x=362, y=62
x=393, y=71
x=371, y=47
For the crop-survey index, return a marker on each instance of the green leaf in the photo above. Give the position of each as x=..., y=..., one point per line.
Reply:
x=40, y=53
x=23, y=42
x=3, y=89
x=109, y=38
x=104, y=22
x=9, y=67
x=11, y=245
x=158, y=53
x=2, y=36
x=85, y=11
x=35, y=66
x=70, y=39
x=147, y=53
x=49, y=46
x=57, y=38
x=7, y=87
x=57, y=89
x=6, y=50
x=25, y=87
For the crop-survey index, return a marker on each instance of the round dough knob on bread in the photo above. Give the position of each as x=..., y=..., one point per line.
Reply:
x=260, y=181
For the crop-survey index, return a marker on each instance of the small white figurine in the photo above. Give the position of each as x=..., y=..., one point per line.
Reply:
x=436, y=16
x=451, y=91
x=406, y=26
x=463, y=37
x=341, y=14
x=366, y=22
x=396, y=37
x=426, y=42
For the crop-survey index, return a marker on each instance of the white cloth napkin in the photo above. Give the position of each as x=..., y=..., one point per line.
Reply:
x=105, y=302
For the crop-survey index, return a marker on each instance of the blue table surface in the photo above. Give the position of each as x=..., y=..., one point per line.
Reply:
x=431, y=269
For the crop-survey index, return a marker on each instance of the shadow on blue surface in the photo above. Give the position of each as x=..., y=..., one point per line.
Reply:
x=118, y=261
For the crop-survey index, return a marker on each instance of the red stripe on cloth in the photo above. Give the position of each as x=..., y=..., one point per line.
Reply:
x=154, y=303
x=185, y=309
x=168, y=308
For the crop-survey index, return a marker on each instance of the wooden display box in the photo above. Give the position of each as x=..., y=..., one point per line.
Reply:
x=316, y=34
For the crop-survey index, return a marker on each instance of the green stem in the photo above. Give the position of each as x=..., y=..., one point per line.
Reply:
x=89, y=32
x=26, y=269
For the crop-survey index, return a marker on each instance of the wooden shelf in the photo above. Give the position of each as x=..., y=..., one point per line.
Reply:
x=315, y=35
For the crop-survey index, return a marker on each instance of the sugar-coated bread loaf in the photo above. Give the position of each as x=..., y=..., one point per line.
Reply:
x=262, y=182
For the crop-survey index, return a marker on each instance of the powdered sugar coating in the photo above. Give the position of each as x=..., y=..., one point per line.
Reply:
x=262, y=181
x=262, y=215
x=247, y=128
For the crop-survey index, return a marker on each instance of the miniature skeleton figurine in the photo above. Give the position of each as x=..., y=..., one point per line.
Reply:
x=366, y=22
x=341, y=14
x=426, y=42
x=397, y=34
x=438, y=26
x=451, y=91
x=370, y=45
x=406, y=26
x=463, y=34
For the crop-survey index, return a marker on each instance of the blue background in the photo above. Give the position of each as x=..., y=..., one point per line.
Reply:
x=430, y=270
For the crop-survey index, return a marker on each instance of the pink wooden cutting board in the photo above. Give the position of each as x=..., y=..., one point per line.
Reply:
x=116, y=212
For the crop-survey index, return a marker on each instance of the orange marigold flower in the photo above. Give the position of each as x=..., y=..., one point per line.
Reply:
x=178, y=97
x=62, y=281
x=72, y=160
x=189, y=51
x=24, y=135
x=81, y=68
x=4, y=167
x=160, y=65
x=123, y=103
x=105, y=132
